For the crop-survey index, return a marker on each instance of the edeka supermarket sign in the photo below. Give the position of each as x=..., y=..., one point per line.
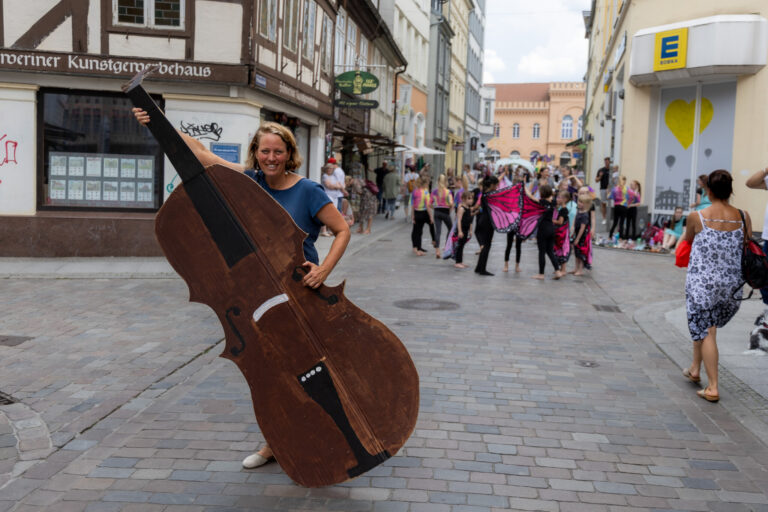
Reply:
x=97, y=65
x=670, y=50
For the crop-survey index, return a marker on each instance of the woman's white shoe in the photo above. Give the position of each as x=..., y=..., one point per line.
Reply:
x=255, y=460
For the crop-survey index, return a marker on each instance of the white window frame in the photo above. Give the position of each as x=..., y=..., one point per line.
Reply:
x=536, y=131
x=309, y=23
x=291, y=16
x=269, y=6
x=566, y=127
x=149, y=16
x=516, y=131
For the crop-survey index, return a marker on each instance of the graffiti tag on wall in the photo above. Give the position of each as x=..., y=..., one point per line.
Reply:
x=7, y=151
x=211, y=131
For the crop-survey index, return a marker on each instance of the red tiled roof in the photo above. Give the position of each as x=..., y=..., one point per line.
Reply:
x=521, y=92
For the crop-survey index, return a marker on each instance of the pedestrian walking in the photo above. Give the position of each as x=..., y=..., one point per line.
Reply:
x=410, y=179
x=364, y=189
x=334, y=189
x=421, y=203
x=391, y=187
x=714, y=276
x=484, y=228
x=380, y=173
x=759, y=180
x=603, y=177
x=442, y=202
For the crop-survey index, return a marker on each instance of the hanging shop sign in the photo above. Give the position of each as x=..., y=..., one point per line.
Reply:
x=344, y=103
x=97, y=65
x=356, y=82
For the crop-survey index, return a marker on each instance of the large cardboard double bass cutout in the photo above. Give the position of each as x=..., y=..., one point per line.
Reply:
x=334, y=391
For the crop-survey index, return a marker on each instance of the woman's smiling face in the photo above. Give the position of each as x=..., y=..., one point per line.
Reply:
x=272, y=154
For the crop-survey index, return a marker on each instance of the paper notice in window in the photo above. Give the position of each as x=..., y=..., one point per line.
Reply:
x=144, y=170
x=57, y=189
x=109, y=191
x=58, y=165
x=127, y=191
x=144, y=192
x=110, y=167
x=93, y=190
x=93, y=166
x=76, y=166
x=127, y=168
x=75, y=190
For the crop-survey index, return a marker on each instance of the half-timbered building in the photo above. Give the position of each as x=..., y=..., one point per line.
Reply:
x=78, y=176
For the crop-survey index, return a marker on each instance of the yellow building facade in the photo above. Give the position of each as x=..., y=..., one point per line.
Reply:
x=533, y=119
x=459, y=21
x=676, y=90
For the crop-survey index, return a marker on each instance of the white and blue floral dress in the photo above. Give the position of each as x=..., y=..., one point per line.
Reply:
x=714, y=276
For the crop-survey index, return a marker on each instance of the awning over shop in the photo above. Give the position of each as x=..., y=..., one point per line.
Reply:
x=577, y=142
x=365, y=142
x=421, y=150
x=731, y=44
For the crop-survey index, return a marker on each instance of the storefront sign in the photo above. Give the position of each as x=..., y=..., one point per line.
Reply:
x=356, y=82
x=458, y=146
x=671, y=50
x=229, y=152
x=289, y=93
x=356, y=103
x=97, y=65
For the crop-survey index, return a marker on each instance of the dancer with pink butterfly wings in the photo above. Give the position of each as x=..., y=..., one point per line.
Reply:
x=514, y=209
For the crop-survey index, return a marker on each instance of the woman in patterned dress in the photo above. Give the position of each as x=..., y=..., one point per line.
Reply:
x=716, y=234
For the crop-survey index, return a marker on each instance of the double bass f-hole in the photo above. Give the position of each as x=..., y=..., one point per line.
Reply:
x=300, y=272
x=235, y=351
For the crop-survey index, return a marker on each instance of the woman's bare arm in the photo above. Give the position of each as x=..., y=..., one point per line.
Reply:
x=757, y=180
x=206, y=157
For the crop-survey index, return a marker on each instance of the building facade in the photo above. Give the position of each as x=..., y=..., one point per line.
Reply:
x=537, y=119
x=675, y=90
x=457, y=142
x=474, y=102
x=79, y=177
x=486, y=127
x=409, y=23
x=439, y=80
x=364, y=137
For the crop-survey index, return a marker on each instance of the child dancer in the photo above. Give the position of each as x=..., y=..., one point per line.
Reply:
x=421, y=201
x=464, y=226
x=484, y=229
x=442, y=202
x=545, y=234
x=582, y=241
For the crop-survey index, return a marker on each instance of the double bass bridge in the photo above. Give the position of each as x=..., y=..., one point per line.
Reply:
x=318, y=384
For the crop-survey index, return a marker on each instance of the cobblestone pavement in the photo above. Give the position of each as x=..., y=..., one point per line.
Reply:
x=534, y=396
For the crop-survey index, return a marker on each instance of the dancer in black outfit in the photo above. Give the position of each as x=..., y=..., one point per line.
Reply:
x=464, y=221
x=545, y=232
x=484, y=228
x=518, y=241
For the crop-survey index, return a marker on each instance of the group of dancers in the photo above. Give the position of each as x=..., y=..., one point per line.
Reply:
x=560, y=214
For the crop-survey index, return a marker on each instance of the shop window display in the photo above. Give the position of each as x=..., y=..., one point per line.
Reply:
x=95, y=156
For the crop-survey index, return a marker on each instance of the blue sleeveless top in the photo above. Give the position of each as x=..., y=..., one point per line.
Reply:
x=302, y=202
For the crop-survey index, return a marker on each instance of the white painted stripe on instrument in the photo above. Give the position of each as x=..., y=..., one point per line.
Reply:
x=269, y=304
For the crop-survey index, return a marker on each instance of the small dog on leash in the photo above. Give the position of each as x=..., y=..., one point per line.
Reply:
x=758, y=338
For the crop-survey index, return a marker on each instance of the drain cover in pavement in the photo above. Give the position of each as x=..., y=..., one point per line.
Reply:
x=6, y=399
x=12, y=341
x=588, y=364
x=427, y=305
x=607, y=307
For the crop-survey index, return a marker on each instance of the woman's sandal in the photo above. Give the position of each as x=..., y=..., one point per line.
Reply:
x=706, y=396
x=687, y=375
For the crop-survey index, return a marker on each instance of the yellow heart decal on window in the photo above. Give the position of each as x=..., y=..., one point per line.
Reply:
x=680, y=117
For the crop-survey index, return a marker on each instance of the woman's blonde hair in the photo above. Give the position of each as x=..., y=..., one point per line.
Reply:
x=423, y=182
x=294, y=159
x=586, y=199
x=442, y=182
